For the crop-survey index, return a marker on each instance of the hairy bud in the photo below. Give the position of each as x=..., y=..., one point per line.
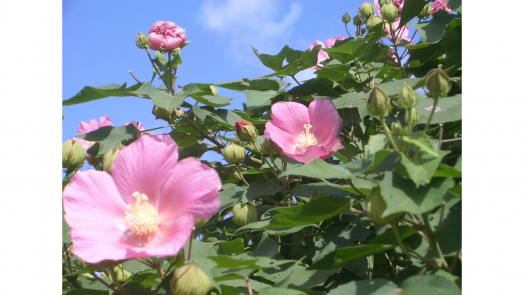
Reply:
x=382, y=2
x=407, y=97
x=375, y=21
x=366, y=10
x=389, y=12
x=109, y=158
x=243, y=215
x=378, y=102
x=189, y=279
x=438, y=82
x=73, y=154
x=412, y=116
x=234, y=153
x=346, y=18
x=245, y=131
x=142, y=41
x=426, y=11
x=375, y=207
x=358, y=20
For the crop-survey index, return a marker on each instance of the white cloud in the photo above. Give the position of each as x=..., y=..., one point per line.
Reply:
x=256, y=22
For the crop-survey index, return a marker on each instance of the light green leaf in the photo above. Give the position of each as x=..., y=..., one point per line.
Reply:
x=341, y=256
x=367, y=287
x=429, y=285
x=449, y=109
x=232, y=247
x=89, y=93
x=321, y=169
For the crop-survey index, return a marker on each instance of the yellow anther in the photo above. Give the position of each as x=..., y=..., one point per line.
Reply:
x=142, y=218
x=305, y=139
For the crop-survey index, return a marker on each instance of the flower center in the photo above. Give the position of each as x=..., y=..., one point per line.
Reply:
x=141, y=217
x=305, y=139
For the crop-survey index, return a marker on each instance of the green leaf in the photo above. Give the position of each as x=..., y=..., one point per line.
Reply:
x=422, y=169
x=341, y=256
x=304, y=278
x=229, y=195
x=433, y=30
x=257, y=189
x=66, y=238
x=351, y=49
x=367, y=287
x=421, y=140
x=226, y=118
x=258, y=99
x=146, y=279
x=274, y=62
x=108, y=137
x=411, y=9
x=388, y=237
x=377, y=142
x=135, y=266
x=306, y=60
x=321, y=169
x=281, y=291
x=163, y=98
x=246, y=262
x=449, y=109
x=447, y=171
x=86, y=292
x=213, y=100
x=89, y=93
x=318, y=86
x=232, y=247
x=317, y=210
x=260, y=84
x=456, y=5
x=429, y=285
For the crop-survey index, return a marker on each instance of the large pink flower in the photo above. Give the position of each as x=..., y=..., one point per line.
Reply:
x=167, y=35
x=322, y=55
x=86, y=127
x=439, y=5
x=303, y=132
x=146, y=208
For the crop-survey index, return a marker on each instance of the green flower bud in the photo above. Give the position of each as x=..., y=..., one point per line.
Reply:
x=375, y=206
x=346, y=18
x=234, y=153
x=378, y=102
x=412, y=116
x=142, y=41
x=375, y=21
x=163, y=114
x=201, y=222
x=358, y=20
x=109, y=158
x=438, y=82
x=73, y=154
x=397, y=129
x=189, y=279
x=389, y=12
x=426, y=11
x=243, y=215
x=366, y=10
x=407, y=97
x=270, y=147
x=382, y=2
x=245, y=131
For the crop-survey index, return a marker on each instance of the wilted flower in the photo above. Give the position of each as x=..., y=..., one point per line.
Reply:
x=439, y=5
x=167, y=35
x=146, y=208
x=301, y=132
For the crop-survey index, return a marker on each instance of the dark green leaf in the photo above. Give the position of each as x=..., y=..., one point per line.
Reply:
x=86, y=292
x=108, y=137
x=306, y=60
x=433, y=30
x=274, y=62
x=388, y=237
x=281, y=291
x=163, y=98
x=257, y=99
x=257, y=189
x=260, y=84
x=319, y=86
x=456, y=5
x=446, y=171
x=321, y=169
x=93, y=93
x=213, y=100
x=411, y=9
x=232, y=247
x=429, y=285
x=366, y=287
x=146, y=279
x=246, y=262
x=341, y=256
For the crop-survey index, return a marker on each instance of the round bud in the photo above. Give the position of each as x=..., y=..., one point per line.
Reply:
x=201, y=222
x=375, y=206
x=378, y=102
x=389, y=12
x=407, y=97
x=438, y=82
x=142, y=41
x=73, y=154
x=375, y=21
x=243, y=215
x=346, y=18
x=382, y=2
x=234, y=153
x=189, y=279
x=245, y=131
x=426, y=11
x=109, y=158
x=163, y=114
x=358, y=20
x=270, y=147
x=397, y=129
x=366, y=10
x=412, y=116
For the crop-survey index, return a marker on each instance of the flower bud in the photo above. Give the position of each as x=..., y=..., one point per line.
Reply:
x=201, y=222
x=73, y=154
x=363, y=31
x=375, y=206
x=109, y=158
x=270, y=147
x=378, y=102
x=243, y=215
x=375, y=21
x=93, y=160
x=366, y=10
x=437, y=82
x=389, y=12
x=189, y=279
x=382, y=2
x=358, y=20
x=407, y=97
x=397, y=129
x=163, y=114
x=234, y=153
x=346, y=18
x=245, y=131
x=142, y=41
x=426, y=11
x=412, y=116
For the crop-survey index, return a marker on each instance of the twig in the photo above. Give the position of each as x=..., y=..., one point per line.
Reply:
x=441, y=130
x=452, y=139
x=248, y=286
x=295, y=79
x=356, y=189
x=134, y=77
x=392, y=268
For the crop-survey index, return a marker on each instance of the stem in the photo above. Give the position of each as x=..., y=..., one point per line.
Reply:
x=431, y=115
x=172, y=88
x=134, y=77
x=347, y=30
x=441, y=130
x=241, y=176
x=72, y=279
x=399, y=240
x=350, y=182
x=441, y=262
x=392, y=268
x=388, y=133
x=114, y=277
x=151, y=60
x=248, y=286
x=295, y=79
x=191, y=243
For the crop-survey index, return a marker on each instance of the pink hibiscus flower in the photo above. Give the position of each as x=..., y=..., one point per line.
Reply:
x=322, y=55
x=440, y=5
x=86, y=127
x=146, y=208
x=167, y=35
x=140, y=127
x=301, y=132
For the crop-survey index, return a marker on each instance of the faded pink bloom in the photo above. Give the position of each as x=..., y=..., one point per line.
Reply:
x=301, y=132
x=86, y=127
x=392, y=55
x=146, y=208
x=140, y=127
x=167, y=35
x=400, y=34
x=439, y=5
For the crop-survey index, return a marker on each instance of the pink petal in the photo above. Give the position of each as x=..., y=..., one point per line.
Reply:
x=282, y=138
x=317, y=42
x=85, y=144
x=325, y=120
x=140, y=127
x=315, y=151
x=155, y=40
x=191, y=188
x=95, y=212
x=86, y=127
x=144, y=166
x=331, y=41
x=105, y=121
x=322, y=56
